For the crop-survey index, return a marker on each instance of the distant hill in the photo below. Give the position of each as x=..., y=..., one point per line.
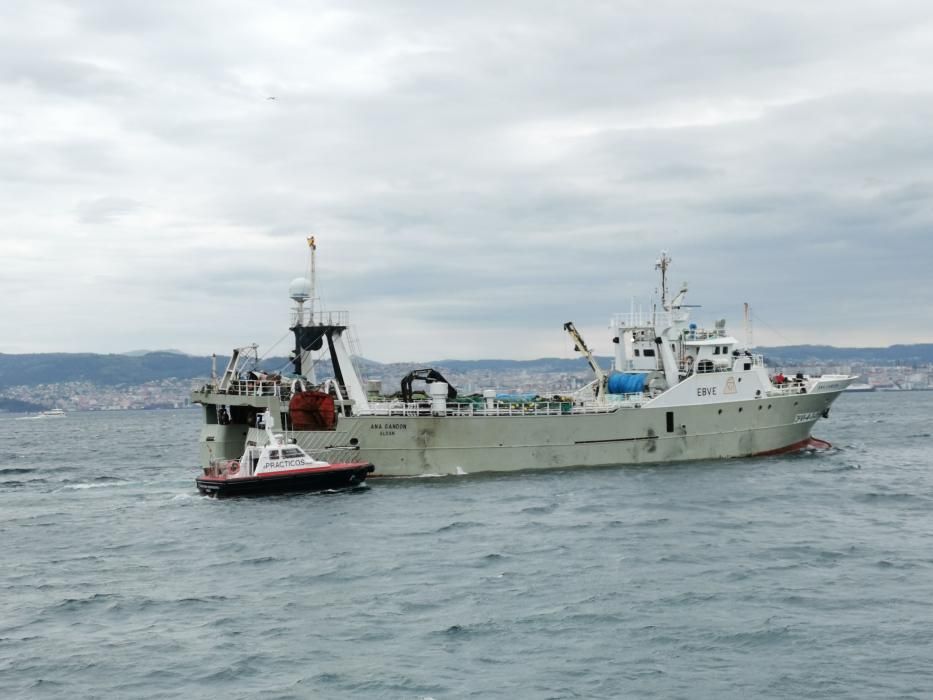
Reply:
x=138, y=353
x=17, y=406
x=919, y=354
x=108, y=370
x=114, y=370
x=542, y=365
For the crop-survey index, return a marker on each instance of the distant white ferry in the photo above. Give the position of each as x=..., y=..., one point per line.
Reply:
x=860, y=387
x=676, y=392
x=51, y=413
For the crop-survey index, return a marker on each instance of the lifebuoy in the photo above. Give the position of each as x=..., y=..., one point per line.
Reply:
x=689, y=361
x=233, y=467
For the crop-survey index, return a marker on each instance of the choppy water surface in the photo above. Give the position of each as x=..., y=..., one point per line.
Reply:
x=803, y=576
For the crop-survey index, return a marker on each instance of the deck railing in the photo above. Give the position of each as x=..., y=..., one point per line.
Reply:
x=789, y=388
x=257, y=387
x=321, y=318
x=500, y=408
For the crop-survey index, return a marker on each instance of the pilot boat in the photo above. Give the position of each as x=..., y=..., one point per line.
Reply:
x=278, y=466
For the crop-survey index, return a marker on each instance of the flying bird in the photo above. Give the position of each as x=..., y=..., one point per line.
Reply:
x=271, y=98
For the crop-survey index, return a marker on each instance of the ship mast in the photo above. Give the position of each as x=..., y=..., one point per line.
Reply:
x=664, y=326
x=662, y=264
x=312, y=277
x=313, y=333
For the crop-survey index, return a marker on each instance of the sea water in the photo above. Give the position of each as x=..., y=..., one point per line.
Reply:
x=803, y=576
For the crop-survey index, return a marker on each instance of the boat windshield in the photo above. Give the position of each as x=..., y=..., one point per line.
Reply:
x=291, y=453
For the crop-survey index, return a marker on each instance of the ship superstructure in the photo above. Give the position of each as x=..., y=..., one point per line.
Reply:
x=675, y=392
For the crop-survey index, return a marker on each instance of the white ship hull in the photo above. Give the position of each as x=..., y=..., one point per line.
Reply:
x=677, y=392
x=413, y=445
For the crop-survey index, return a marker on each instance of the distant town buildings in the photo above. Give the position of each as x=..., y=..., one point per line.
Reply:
x=888, y=378
x=175, y=393
x=87, y=396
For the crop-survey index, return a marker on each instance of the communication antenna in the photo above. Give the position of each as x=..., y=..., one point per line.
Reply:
x=749, y=340
x=662, y=264
x=312, y=273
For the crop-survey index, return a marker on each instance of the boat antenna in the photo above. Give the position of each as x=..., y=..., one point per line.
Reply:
x=749, y=342
x=312, y=246
x=662, y=264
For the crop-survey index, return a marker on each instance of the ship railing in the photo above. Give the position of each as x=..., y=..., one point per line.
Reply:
x=642, y=319
x=258, y=387
x=704, y=334
x=205, y=387
x=500, y=408
x=321, y=318
x=725, y=363
x=790, y=388
x=709, y=369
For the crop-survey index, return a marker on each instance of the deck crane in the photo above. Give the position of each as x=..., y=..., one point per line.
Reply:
x=602, y=380
x=428, y=376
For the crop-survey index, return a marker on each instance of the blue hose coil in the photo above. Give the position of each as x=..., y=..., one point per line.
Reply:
x=627, y=383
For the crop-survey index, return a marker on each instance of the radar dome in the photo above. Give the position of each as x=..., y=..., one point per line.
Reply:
x=299, y=289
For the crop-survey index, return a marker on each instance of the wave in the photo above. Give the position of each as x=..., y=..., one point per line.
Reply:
x=756, y=638
x=85, y=486
x=540, y=510
x=843, y=468
x=255, y=561
x=75, y=604
x=459, y=525
x=876, y=497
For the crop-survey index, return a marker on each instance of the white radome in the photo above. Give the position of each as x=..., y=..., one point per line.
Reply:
x=299, y=289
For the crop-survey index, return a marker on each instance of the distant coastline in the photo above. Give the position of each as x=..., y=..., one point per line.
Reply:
x=147, y=381
x=18, y=406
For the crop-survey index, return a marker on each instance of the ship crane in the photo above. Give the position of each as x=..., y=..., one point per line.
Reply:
x=580, y=346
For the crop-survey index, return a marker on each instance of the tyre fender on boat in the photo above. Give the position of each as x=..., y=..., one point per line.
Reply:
x=233, y=467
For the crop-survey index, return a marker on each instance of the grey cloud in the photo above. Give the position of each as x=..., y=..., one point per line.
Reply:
x=105, y=209
x=489, y=169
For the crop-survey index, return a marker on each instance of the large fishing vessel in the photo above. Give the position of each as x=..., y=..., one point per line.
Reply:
x=676, y=392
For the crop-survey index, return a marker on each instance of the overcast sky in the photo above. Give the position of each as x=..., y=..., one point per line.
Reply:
x=475, y=177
